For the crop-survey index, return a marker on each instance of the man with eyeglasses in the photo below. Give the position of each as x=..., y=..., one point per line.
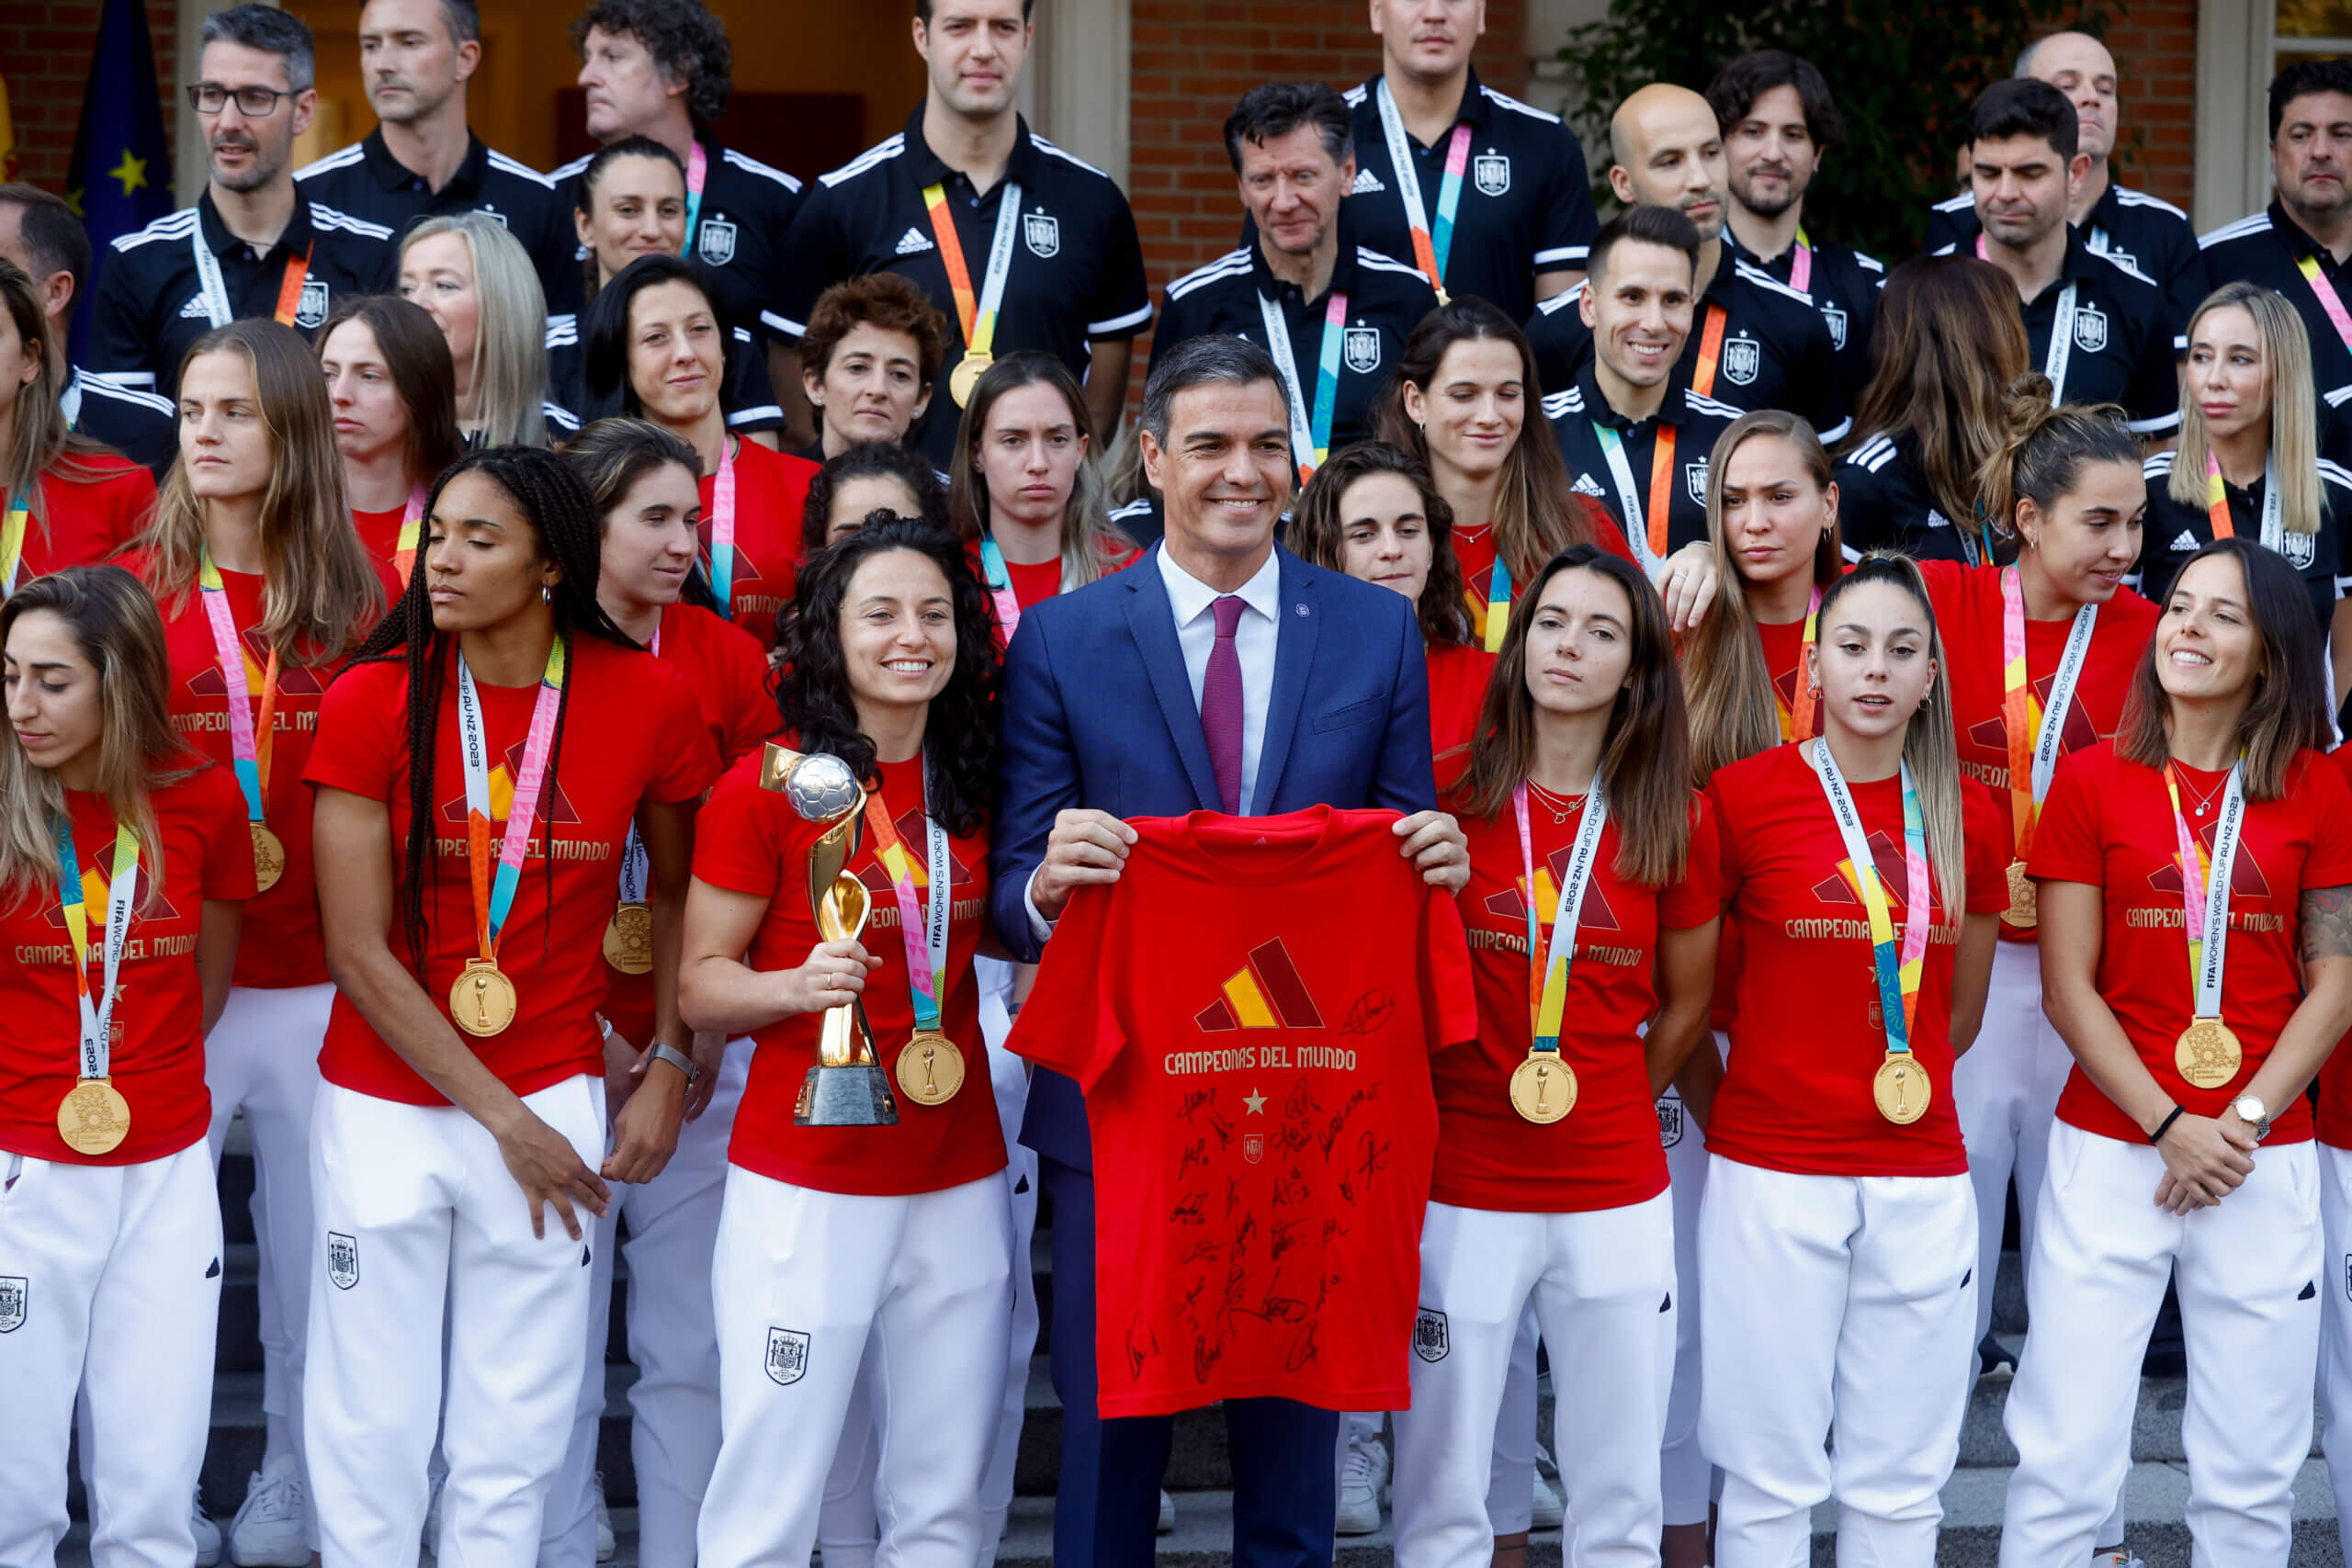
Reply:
x=252, y=245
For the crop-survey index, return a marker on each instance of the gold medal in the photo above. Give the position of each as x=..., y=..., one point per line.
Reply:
x=628, y=940
x=269, y=857
x=1901, y=1088
x=1543, y=1087
x=2208, y=1054
x=481, y=1000
x=94, y=1117
x=931, y=1068
x=966, y=376
x=2025, y=898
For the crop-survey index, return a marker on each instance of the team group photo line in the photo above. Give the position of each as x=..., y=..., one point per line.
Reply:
x=1570, y=807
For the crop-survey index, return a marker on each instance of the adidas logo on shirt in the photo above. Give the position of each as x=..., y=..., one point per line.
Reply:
x=1366, y=181
x=194, y=309
x=2187, y=541
x=912, y=241
x=1585, y=486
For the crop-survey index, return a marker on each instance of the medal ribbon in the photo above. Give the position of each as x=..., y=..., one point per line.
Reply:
x=999, y=581
x=1547, y=980
x=12, y=540
x=122, y=881
x=215, y=292
x=493, y=902
x=251, y=757
x=2328, y=299
x=1801, y=264
x=1497, y=600
x=2062, y=337
x=70, y=402
x=2205, y=886
x=1644, y=526
x=926, y=954
x=697, y=172
x=1800, y=708
x=1430, y=251
x=722, y=529
x=1711, y=351
x=979, y=320
x=411, y=534
x=2274, y=502
x=2034, y=732
x=635, y=865
x=1898, y=978
x=1310, y=437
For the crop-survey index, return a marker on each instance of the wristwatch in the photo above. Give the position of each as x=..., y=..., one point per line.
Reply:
x=685, y=1063
x=2254, y=1114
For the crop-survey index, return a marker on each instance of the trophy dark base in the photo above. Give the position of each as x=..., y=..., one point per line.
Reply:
x=845, y=1096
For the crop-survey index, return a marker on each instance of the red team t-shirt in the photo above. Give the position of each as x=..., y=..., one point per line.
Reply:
x=1783, y=647
x=158, y=1023
x=2108, y=823
x=1250, y=1009
x=1807, y=1036
x=750, y=841
x=1474, y=551
x=728, y=673
x=88, y=507
x=631, y=731
x=380, y=535
x=1606, y=1153
x=1458, y=678
x=771, y=492
x=1968, y=613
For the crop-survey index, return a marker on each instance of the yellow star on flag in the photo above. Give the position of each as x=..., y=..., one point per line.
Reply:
x=131, y=172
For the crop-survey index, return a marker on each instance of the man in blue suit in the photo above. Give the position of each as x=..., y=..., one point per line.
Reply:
x=1220, y=673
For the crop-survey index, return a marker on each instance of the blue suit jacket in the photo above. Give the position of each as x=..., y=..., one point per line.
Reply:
x=1099, y=713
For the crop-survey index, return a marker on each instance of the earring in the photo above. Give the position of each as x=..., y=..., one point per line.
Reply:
x=546, y=594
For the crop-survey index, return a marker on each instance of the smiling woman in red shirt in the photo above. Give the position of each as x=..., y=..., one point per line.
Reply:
x=395, y=398
x=1592, y=901
x=1862, y=874
x=65, y=500
x=478, y=770
x=889, y=1240
x=123, y=860
x=2196, y=902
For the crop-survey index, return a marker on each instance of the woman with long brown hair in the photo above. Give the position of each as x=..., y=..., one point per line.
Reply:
x=123, y=860
x=265, y=591
x=1948, y=344
x=394, y=395
x=1592, y=897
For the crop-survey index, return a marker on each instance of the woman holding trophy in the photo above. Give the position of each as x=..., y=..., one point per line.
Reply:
x=836, y=904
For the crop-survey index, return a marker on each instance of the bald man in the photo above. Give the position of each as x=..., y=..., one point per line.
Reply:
x=2150, y=235
x=1756, y=343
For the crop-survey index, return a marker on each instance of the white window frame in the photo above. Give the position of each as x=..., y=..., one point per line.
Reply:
x=2235, y=48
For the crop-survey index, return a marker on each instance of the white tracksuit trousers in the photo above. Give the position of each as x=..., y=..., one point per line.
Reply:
x=2335, y=1326
x=1686, y=1480
x=2006, y=1090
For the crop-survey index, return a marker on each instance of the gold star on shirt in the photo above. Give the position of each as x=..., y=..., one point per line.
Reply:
x=1255, y=1101
x=131, y=172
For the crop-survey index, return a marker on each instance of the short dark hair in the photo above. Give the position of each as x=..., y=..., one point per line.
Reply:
x=2025, y=105
x=604, y=331
x=2304, y=78
x=1646, y=226
x=1277, y=108
x=867, y=460
x=1737, y=86
x=271, y=31
x=464, y=17
x=592, y=173
x=922, y=10
x=685, y=40
x=1218, y=357
x=54, y=239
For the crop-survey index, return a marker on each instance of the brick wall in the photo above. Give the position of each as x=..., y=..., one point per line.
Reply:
x=2154, y=45
x=45, y=55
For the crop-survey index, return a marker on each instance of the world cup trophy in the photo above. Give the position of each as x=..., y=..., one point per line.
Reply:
x=847, y=1088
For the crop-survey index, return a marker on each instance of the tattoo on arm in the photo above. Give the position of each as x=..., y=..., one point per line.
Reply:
x=2327, y=922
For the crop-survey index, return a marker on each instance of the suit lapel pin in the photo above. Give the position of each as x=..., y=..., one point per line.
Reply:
x=1298, y=609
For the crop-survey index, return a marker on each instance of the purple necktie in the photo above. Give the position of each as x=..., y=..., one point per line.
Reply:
x=1221, y=704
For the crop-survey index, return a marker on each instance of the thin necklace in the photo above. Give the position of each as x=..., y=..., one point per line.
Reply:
x=2207, y=804
x=1561, y=806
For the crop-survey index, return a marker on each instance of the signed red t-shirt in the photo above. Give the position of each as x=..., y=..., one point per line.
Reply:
x=1250, y=1009
x=771, y=491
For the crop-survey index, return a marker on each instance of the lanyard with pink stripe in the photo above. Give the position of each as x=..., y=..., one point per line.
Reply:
x=1430, y=250
x=12, y=541
x=1801, y=264
x=697, y=171
x=2329, y=300
x=1901, y=1086
x=2208, y=1052
x=482, y=1000
x=411, y=534
x=722, y=528
x=1000, y=582
x=251, y=755
x=930, y=1066
x=1310, y=434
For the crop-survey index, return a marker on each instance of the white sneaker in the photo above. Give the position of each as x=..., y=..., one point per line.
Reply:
x=2121, y=1558
x=1360, y=1475
x=433, y=1522
x=272, y=1527
x=1551, y=1503
x=1166, y=1525
x=207, y=1534
x=606, y=1547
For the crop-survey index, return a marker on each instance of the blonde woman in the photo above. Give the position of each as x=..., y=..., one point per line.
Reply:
x=264, y=589
x=477, y=283
x=80, y=498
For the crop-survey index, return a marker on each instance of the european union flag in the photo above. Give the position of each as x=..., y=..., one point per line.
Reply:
x=120, y=178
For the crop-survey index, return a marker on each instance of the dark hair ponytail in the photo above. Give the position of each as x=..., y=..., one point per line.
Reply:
x=2044, y=447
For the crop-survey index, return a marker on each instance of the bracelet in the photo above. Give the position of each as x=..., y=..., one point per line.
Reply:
x=2166, y=1125
x=679, y=1060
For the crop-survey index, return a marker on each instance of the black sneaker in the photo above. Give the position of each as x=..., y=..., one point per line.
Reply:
x=1992, y=1361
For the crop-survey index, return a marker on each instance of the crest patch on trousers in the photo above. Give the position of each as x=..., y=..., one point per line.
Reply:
x=14, y=1289
x=342, y=1260
x=1430, y=1341
x=1669, y=1120
x=788, y=1361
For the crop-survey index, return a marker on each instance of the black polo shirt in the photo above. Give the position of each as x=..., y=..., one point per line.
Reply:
x=2175, y=532
x=2147, y=233
x=143, y=426
x=150, y=306
x=1526, y=202
x=1697, y=422
x=1884, y=504
x=2122, y=337
x=1777, y=351
x=747, y=395
x=365, y=180
x=1077, y=271
x=1387, y=299
x=1843, y=285
x=739, y=233
x=2266, y=248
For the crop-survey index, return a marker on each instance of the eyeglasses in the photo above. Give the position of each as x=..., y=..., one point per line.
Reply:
x=254, y=102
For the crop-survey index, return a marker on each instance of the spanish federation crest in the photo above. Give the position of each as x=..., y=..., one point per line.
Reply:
x=2301, y=549
x=1361, y=349
x=717, y=243
x=13, y=1292
x=1253, y=1147
x=1042, y=233
x=1492, y=172
x=1836, y=320
x=1430, y=1342
x=2090, y=329
x=788, y=1361
x=1743, y=357
x=1695, y=479
x=311, y=308
x=342, y=1260
x=1669, y=1120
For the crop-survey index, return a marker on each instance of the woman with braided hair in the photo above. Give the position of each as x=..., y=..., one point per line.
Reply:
x=477, y=772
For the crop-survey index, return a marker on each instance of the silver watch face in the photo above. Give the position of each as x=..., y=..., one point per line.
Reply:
x=2250, y=1110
